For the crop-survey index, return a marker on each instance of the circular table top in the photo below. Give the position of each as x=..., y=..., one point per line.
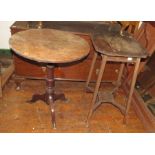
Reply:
x=49, y=46
x=111, y=43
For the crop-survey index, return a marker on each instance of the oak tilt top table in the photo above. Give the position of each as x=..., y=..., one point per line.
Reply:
x=50, y=47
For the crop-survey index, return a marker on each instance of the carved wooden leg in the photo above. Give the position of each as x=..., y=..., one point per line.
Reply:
x=44, y=97
x=91, y=70
x=103, y=63
x=49, y=96
x=132, y=88
x=50, y=83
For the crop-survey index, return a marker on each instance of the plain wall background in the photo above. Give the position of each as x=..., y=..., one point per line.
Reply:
x=5, y=34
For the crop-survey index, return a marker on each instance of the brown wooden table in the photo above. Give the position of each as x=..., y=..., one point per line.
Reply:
x=113, y=47
x=50, y=47
x=74, y=71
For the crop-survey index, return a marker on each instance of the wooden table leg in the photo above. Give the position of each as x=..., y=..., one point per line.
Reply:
x=132, y=88
x=91, y=71
x=118, y=83
x=103, y=63
x=18, y=81
x=49, y=96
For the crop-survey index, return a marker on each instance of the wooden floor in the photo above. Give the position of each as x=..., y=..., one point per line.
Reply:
x=16, y=115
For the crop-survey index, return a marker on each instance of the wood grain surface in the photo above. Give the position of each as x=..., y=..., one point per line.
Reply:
x=112, y=44
x=49, y=46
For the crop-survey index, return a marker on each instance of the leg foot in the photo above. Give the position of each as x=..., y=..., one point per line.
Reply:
x=37, y=97
x=18, y=81
x=54, y=126
x=125, y=120
x=44, y=97
x=53, y=115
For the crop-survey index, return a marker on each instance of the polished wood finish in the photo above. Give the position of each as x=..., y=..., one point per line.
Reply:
x=50, y=47
x=49, y=96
